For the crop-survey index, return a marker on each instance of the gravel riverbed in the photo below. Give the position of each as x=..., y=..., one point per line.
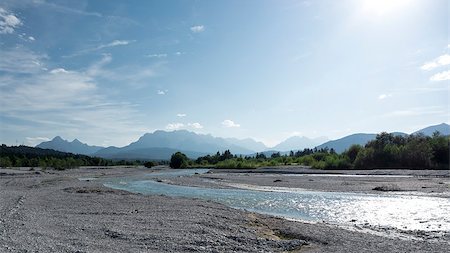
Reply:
x=54, y=211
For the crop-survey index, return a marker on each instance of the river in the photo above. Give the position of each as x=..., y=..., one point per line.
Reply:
x=401, y=212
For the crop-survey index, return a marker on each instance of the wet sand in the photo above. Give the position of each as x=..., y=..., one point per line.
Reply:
x=53, y=211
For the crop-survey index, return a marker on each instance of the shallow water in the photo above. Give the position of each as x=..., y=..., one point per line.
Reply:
x=345, y=175
x=379, y=210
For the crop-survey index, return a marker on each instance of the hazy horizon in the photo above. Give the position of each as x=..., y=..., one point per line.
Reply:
x=108, y=72
x=320, y=140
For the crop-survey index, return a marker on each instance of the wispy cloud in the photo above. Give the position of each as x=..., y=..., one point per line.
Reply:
x=114, y=43
x=384, y=96
x=156, y=55
x=442, y=60
x=181, y=115
x=97, y=69
x=178, y=126
x=418, y=111
x=33, y=141
x=65, y=9
x=229, y=123
x=46, y=91
x=427, y=89
x=133, y=75
x=8, y=22
x=63, y=99
x=198, y=28
x=58, y=71
x=161, y=92
x=21, y=60
x=195, y=125
x=295, y=133
x=442, y=76
x=306, y=3
x=174, y=126
x=71, y=10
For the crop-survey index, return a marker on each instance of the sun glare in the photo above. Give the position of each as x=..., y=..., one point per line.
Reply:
x=383, y=7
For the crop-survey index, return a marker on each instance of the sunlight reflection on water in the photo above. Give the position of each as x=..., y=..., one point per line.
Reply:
x=383, y=210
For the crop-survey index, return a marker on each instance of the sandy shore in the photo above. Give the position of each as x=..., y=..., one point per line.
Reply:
x=53, y=211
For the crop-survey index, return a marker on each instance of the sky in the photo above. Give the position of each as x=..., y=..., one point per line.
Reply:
x=106, y=72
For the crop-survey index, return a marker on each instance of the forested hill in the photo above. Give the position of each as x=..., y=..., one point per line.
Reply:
x=32, y=152
x=24, y=156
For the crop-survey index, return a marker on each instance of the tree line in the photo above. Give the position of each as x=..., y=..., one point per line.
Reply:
x=24, y=156
x=385, y=151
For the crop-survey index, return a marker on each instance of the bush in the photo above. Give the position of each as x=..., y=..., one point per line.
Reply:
x=5, y=162
x=234, y=164
x=150, y=164
x=307, y=160
x=364, y=159
x=319, y=165
x=179, y=160
x=352, y=152
x=417, y=153
x=440, y=146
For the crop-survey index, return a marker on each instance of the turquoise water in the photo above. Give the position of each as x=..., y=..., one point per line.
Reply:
x=380, y=210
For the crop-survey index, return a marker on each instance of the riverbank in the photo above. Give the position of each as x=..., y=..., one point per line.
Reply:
x=54, y=211
x=434, y=183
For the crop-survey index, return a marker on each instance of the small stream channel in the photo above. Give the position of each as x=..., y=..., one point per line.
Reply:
x=407, y=213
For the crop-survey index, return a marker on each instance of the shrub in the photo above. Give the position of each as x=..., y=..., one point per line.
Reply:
x=307, y=160
x=352, y=152
x=234, y=164
x=179, y=160
x=149, y=164
x=319, y=165
x=5, y=162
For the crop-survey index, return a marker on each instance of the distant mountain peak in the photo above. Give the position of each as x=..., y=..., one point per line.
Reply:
x=77, y=141
x=299, y=143
x=75, y=146
x=57, y=138
x=340, y=145
x=442, y=128
x=160, y=142
x=344, y=143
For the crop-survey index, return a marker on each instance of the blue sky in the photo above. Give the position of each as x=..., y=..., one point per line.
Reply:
x=106, y=72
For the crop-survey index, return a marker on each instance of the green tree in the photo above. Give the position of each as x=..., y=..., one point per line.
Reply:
x=352, y=152
x=5, y=162
x=364, y=159
x=440, y=148
x=34, y=162
x=150, y=164
x=275, y=155
x=417, y=153
x=179, y=160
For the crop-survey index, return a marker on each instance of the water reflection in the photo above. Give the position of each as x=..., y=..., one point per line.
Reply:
x=384, y=210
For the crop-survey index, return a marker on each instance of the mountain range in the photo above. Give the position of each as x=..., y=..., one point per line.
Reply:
x=298, y=143
x=342, y=144
x=443, y=128
x=160, y=145
x=74, y=146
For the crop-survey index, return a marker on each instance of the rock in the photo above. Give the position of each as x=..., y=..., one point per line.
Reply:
x=385, y=188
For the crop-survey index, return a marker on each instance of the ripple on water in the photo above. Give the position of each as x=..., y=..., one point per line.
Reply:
x=400, y=212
